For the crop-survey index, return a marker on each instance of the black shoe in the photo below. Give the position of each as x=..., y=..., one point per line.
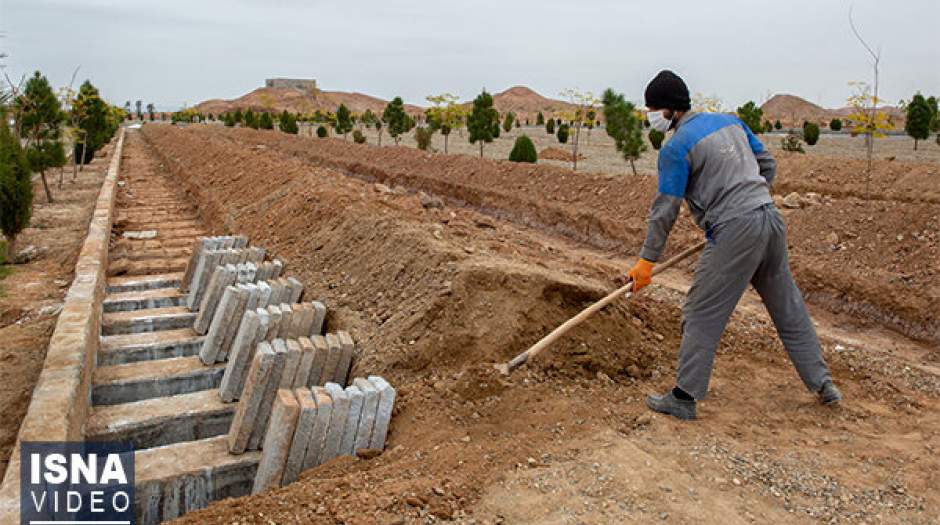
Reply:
x=829, y=394
x=668, y=403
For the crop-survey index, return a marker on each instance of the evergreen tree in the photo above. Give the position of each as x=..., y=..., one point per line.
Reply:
x=562, y=134
x=934, y=113
x=751, y=115
x=321, y=131
x=238, y=116
x=399, y=122
x=810, y=133
x=40, y=117
x=482, y=120
x=523, y=150
x=919, y=117
x=251, y=120
x=359, y=137
x=777, y=125
x=266, y=122
x=768, y=127
x=540, y=119
x=835, y=124
x=16, y=187
x=656, y=138
x=550, y=127
x=344, y=122
x=508, y=121
x=287, y=123
x=229, y=119
x=624, y=126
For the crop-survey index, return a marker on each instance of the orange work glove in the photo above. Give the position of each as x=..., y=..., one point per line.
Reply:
x=642, y=274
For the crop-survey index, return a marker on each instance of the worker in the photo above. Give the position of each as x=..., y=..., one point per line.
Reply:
x=724, y=174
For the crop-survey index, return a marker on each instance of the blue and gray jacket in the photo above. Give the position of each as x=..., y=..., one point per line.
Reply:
x=718, y=166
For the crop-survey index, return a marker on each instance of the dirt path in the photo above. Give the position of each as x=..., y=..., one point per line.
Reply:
x=436, y=291
x=31, y=297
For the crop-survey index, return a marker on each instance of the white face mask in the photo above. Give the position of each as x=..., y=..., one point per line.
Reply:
x=658, y=121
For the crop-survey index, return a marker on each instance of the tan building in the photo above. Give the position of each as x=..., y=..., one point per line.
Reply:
x=300, y=84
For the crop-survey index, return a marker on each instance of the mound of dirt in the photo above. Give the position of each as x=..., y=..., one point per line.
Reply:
x=525, y=103
x=553, y=153
x=296, y=101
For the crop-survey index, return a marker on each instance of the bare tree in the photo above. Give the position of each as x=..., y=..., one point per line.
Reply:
x=873, y=112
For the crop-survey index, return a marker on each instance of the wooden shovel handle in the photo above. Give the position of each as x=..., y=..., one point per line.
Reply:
x=625, y=290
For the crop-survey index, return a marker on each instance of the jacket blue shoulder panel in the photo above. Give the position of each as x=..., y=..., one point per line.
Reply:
x=673, y=157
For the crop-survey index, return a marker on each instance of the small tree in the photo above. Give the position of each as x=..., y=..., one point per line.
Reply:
x=238, y=116
x=288, y=123
x=482, y=120
x=16, y=187
x=39, y=115
x=810, y=133
x=523, y=150
x=266, y=122
x=550, y=127
x=140, y=113
x=540, y=119
x=751, y=115
x=835, y=124
x=583, y=104
x=508, y=121
x=447, y=114
x=656, y=138
x=150, y=111
x=228, y=119
x=399, y=122
x=251, y=120
x=321, y=131
x=423, y=137
x=359, y=137
x=919, y=117
x=344, y=123
x=777, y=125
x=624, y=125
x=562, y=134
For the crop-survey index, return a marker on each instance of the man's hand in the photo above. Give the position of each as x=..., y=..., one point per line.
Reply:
x=642, y=274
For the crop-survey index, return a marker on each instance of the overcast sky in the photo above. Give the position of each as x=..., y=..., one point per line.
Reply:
x=174, y=52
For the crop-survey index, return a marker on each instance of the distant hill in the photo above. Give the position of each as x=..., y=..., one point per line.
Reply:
x=296, y=101
x=526, y=103
x=792, y=111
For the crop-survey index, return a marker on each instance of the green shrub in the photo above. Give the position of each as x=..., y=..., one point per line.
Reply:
x=550, y=127
x=266, y=122
x=777, y=124
x=523, y=150
x=16, y=188
x=810, y=133
x=423, y=138
x=835, y=124
x=562, y=133
x=358, y=137
x=656, y=138
x=321, y=131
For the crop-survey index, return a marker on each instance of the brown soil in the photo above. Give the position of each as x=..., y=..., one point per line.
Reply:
x=434, y=295
x=296, y=101
x=557, y=154
x=31, y=296
x=792, y=111
x=870, y=271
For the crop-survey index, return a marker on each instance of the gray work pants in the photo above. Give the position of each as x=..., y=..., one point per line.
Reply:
x=751, y=249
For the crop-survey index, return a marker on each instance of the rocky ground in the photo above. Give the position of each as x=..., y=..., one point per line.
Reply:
x=441, y=266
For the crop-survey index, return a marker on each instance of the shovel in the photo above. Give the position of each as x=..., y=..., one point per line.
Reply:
x=625, y=290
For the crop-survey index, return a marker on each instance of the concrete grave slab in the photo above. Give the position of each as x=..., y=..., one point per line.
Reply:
x=277, y=441
x=246, y=415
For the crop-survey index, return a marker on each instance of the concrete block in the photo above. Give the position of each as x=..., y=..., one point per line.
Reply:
x=348, y=349
x=333, y=357
x=319, y=317
x=274, y=312
x=321, y=426
x=302, y=315
x=347, y=445
x=277, y=290
x=230, y=310
x=261, y=424
x=249, y=406
x=204, y=272
x=370, y=405
x=292, y=363
x=287, y=313
x=320, y=357
x=277, y=441
x=198, y=246
x=264, y=294
x=241, y=355
x=296, y=290
x=277, y=269
x=302, y=377
x=254, y=293
x=256, y=255
x=383, y=415
x=301, y=440
x=241, y=306
x=223, y=277
x=246, y=273
x=337, y=422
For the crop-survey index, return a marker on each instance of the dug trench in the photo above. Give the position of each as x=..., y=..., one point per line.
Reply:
x=874, y=260
x=436, y=294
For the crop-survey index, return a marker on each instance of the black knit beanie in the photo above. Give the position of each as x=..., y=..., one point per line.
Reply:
x=668, y=91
